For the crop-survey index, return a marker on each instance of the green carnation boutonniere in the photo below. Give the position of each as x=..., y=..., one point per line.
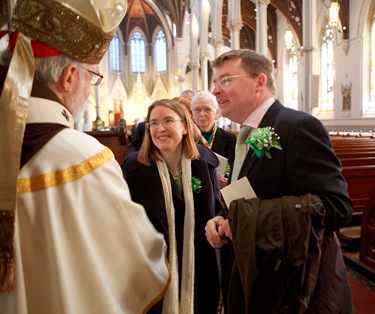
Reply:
x=227, y=170
x=262, y=140
x=196, y=184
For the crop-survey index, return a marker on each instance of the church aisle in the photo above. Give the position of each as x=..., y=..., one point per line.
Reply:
x=362, y=284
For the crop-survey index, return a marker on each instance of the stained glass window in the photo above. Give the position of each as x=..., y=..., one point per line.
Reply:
x=160, y=53
x=291, y=78
x=138, y=53
x=327, y=70
x=114, y=54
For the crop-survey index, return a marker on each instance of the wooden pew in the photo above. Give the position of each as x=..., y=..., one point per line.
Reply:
x=347, y=153
x=357, y=156
x=116, y=140
x=367, y=251
x=357, y=161
x=361, y=184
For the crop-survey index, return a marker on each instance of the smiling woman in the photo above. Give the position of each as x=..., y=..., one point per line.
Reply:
x=170, y=163
x=175, y=130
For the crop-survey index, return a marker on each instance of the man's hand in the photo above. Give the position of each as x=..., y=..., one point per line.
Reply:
x=223, y=182
x=215, y=233
x=225, y=229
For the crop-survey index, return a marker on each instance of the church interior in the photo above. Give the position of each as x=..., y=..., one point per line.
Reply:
x=324, y=64
x=323, y=53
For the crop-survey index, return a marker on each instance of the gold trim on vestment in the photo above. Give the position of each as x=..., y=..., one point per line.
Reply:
x=161, y=294
x=53, y=179
x=13, y=113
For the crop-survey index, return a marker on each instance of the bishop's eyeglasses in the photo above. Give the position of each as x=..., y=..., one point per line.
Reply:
x=96, y=78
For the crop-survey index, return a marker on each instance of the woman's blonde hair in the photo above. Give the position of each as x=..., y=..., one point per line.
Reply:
x=150, y=153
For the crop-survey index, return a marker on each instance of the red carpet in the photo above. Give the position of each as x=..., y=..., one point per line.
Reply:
x=363, y=298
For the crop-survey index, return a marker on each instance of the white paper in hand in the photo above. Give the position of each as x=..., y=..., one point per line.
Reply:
x=238, y=189
x=222, y=168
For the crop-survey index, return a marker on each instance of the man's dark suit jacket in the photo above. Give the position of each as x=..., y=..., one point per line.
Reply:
x=146, y=188
x=306, y=164
x=224, y=144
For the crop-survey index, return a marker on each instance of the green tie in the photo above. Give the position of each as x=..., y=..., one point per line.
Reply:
x=240, y=152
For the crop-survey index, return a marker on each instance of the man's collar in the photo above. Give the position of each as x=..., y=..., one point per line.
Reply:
x=257, y=115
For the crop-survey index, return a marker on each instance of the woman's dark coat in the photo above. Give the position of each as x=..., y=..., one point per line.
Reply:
x=146, y=188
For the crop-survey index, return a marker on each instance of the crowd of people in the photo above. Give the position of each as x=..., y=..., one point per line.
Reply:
x=82, y=234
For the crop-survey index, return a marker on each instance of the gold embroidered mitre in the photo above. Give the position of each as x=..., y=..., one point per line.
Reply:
x=82, y=30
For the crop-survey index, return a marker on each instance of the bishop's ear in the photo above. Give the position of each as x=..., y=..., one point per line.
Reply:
x=69, y=77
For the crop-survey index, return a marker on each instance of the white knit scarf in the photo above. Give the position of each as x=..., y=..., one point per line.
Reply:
x=170, y=303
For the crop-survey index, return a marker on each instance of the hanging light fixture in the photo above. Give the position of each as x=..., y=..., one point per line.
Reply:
x=334, y=13
x=288, y=37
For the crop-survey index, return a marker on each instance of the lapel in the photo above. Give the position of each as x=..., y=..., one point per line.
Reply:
x=220, y=141
x=268, y=120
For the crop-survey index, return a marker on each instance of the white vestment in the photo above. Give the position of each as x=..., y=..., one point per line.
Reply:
x=81, y=244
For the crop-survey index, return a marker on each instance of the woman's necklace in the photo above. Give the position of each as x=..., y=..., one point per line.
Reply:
x=177, y=178
x=175, y=174
x=204, y=140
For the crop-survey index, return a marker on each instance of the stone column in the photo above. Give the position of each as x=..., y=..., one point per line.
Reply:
x=204, y=71
x=308, y=49
x=216, y=26
x=234, y=22
x=194, y=50
x=261, y=31
x=179, y=76
x=203, y=42
x=217, y=43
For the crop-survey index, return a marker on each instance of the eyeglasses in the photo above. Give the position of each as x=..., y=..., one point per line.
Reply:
x=96, y=78
x=225, y=81
x=153, y=124
x=204, y=110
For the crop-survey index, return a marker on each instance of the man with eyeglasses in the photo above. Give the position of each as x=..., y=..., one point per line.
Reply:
x=71, y=240
x=302, y=201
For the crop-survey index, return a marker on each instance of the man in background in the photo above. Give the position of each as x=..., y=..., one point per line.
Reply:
x=72, y=240
x=188, y=93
